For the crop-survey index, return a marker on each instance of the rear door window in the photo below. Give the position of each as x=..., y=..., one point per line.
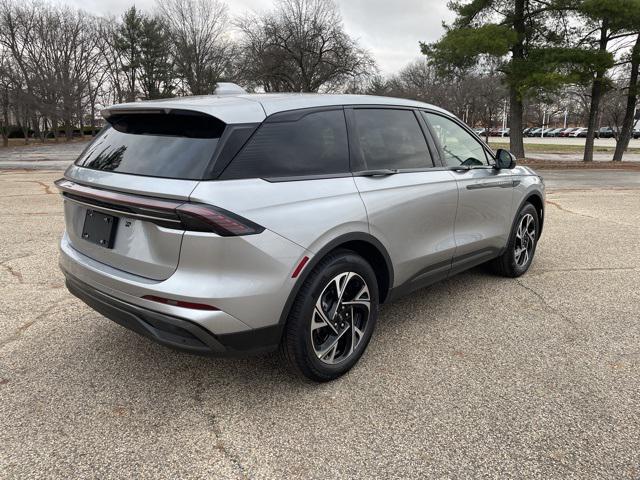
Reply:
x=294, y=145
x=391, y=139
x=175, y=145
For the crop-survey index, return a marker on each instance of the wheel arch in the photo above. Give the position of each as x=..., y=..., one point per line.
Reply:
x=365, y=245
x=536, y=200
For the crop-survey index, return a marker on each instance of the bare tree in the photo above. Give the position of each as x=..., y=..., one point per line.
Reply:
x=203, y=51
x=6, y=86
x=301, y=46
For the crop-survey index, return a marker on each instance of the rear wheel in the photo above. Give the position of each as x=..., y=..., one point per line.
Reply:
x=332, y=318
x=522, y=244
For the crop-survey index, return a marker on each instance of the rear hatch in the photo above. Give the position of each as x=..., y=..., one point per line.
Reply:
x=123, y=194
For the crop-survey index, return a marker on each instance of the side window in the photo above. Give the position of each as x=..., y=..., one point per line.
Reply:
x=459, y=147
x=315, y=144
x=391, y=139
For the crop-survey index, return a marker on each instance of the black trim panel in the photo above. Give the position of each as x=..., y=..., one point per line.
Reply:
x=493, y=184
x=472, y=259
x=425, y=277
x=173, y=332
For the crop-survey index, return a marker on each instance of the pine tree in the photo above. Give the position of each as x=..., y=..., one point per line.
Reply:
x=529, y=40
x=128, y=40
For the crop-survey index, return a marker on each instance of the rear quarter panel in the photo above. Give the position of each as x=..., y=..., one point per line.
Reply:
x=309, y=213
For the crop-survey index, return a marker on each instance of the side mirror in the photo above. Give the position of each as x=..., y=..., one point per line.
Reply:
x=505, y=159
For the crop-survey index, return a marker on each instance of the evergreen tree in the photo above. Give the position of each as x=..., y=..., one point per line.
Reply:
x=156, y=65
x=529, y=40
x=128, y=40
x=608, y=20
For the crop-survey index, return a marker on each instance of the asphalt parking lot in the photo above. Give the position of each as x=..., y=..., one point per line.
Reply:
x=479, y=376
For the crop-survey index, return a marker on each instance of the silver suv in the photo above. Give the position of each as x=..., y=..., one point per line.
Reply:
x=247, y=223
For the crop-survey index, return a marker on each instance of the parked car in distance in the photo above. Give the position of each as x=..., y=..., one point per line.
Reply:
x=526, y=131
x=636, y=133
x=480, y=131
x=235, y=224
x=503, y=132
x=535, y=132
x=606, y=132
x=565, y=132
x=554, y=132
x=579, y=132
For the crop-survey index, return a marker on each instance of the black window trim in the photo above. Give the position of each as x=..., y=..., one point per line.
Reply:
x=491, y=155
x=222, y=157
x=289, y=116
x=354, y=143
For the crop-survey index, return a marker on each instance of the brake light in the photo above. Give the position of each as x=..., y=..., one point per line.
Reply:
x=180, y=303
x=209, y=218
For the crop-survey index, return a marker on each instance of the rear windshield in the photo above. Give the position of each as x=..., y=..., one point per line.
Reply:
x=174, y=145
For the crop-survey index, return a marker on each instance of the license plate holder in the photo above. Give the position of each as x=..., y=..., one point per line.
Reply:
x=99, y=228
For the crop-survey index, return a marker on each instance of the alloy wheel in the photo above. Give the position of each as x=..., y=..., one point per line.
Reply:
x=525, y=240
x=340, y=317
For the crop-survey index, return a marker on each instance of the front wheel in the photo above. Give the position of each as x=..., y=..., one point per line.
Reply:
x=521, y=248
x=332, y=318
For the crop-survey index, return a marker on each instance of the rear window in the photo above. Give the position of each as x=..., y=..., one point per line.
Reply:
x=312, y=144
x=175, y=145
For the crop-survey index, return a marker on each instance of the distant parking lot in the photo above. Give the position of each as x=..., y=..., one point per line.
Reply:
x=479, y=376
x=58, y=156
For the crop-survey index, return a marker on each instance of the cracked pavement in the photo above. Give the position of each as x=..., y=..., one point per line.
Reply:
x=479, y=376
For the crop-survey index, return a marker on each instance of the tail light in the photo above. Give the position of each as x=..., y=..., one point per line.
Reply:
x=197, y=217
x=202, y=217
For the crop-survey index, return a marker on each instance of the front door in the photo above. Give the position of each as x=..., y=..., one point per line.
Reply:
x=410, y=202
x=483, y=219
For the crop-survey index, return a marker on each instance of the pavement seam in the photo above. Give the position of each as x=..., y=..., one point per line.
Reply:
x=591, y=269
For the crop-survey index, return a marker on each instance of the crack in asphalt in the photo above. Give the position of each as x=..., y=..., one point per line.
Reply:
x=566, y=210
x=217, y=431
x=14, y=273
x=44, y=185
x=27, y=325
x=560, y=207
x=546, y=304
x=221, y=446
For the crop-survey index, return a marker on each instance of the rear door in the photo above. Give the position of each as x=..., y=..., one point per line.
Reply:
x=145, y=159
x=485, y=193
x=410, y=200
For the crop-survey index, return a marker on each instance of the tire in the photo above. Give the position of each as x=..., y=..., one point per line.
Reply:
x=511, y=263
x=309, y=336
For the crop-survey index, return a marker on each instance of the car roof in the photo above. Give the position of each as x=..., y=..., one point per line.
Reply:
x=251, y=108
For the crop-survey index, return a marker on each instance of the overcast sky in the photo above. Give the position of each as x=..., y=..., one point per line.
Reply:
x=389, y=29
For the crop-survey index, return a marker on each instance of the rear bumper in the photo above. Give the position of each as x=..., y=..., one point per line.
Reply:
x=173, y=332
